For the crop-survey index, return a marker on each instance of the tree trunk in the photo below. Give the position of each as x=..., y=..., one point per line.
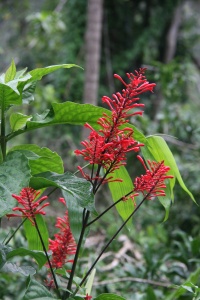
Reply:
x=92, y=50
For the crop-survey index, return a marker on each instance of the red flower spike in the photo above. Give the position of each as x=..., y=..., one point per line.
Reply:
x=31, y=206
x=108, y=147
x=63, y=244
x=152, y=183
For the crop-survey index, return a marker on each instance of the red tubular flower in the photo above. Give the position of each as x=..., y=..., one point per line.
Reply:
x=107, y=147
x=152, y=183
x=63, y=244
x=87, y=297
x=31, y=206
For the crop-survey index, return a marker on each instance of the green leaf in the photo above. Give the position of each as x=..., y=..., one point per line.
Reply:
x=89, y=284
x=9, y=95
x=14, y=268
x=4, y=250
x=37, y=291
x=11, y=72
x=18, y=121
x=67, y=113
x=80, y=189
x=14, y=175
x=41, y=159
x=75, y=213
x=160, y=151
x=74, y=114
x=165, y=201
x=109, y=297
x=37, y=74
x=39, y=256
x=28, y=92
x=120, y=189
x=193, y=278
x=32, y=236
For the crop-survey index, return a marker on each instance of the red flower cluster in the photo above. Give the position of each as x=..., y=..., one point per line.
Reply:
x=152, y=183
x=108, y=147
x=31, y=206
x=63, y=245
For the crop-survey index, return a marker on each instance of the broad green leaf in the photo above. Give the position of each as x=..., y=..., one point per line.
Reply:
x=32, y=236
x=160, y=150
x=18, y=121
x=14, y=175
x=78, y=188
x=75, y=213
x=109, y=297
x=74, y=114
x=9, y=95
x=37, y=74
x=67, y=113
x=39, y=256
x=41, y=159
x=14, y=268
x=120, y=189
x=11, y=72
x=37, y=291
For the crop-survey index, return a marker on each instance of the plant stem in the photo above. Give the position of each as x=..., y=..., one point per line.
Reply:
x=107, y=209
x=47, y=256
x=12, y=235
x=3, y=134
x=110, y=241
x=85, y=220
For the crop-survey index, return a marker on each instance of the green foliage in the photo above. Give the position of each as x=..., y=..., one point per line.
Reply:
x=34, y=242
x=119, y=189
x=41, y=168
x=40, y=159
x=37, y=291
x=13, y=179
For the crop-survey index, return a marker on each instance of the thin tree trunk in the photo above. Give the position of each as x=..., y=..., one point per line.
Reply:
x=92, y=50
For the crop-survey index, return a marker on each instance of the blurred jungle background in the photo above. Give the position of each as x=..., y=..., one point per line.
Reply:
x=119, y=36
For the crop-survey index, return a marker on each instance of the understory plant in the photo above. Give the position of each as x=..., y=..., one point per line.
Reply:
x=28, y=171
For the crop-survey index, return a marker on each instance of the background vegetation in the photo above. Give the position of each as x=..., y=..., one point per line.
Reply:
x=163, y=36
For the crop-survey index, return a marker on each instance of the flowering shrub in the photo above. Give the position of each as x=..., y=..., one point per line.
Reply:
x=25, y=170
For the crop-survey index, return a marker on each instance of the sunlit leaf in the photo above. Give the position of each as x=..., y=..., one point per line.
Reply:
x=41, y=159
x=38, y=73
x=120, y=189
x=32, y=236
x=18, y=121
x=11, y=72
